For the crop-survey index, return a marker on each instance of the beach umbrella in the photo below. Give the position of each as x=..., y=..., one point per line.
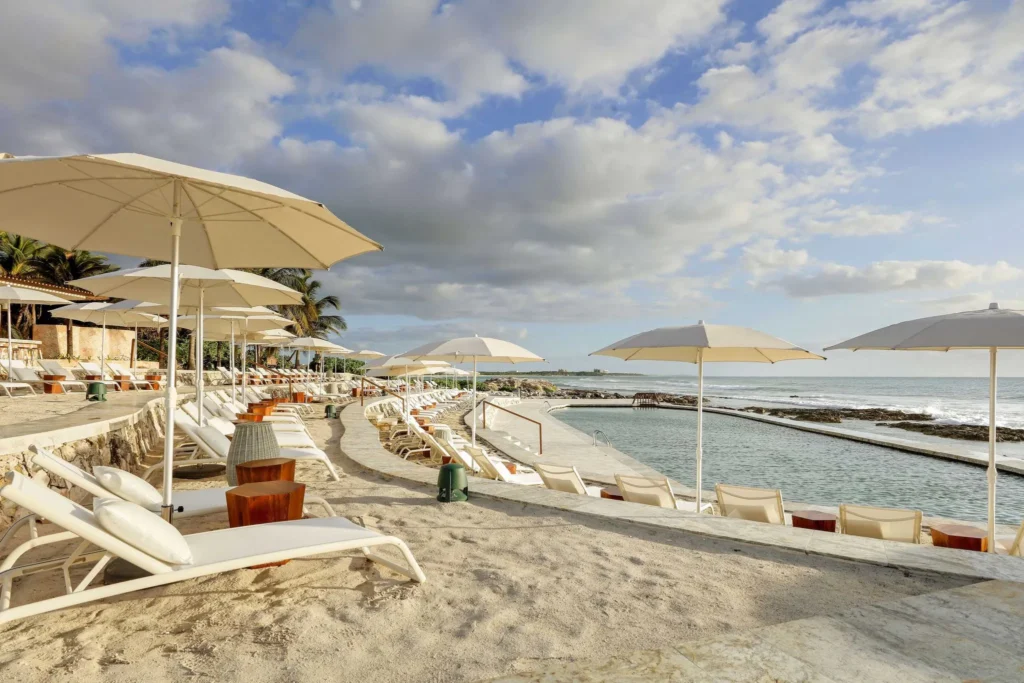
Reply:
x=475, y=349
x=702, y=343
x=394, y=366
x=989, y=329
x=137, y=205
x=364, y=354
x=10, y=294
x=199, y=290
x=321, y=346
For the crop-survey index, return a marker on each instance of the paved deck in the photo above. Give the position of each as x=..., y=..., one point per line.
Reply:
x=965, y=634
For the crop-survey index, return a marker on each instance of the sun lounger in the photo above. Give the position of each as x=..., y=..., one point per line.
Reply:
x=567, y=479
x=495, y=468
x=212, y=552
x=186, y=503
x=888, y=524
x=1015, y=546
x=93, y=370
x=752, y=504
x=117, y=370
x=657, y=492
x=30, y=377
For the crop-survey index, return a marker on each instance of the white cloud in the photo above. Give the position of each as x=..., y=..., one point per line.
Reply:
x=765, y=257
x=788, y=19
x=884, y=276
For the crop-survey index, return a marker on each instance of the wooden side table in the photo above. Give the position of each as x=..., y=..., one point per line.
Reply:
x=960, y=536
x=269, y=469
x=52, y=385
x=154, y=381
x=611, y=492
x=265, y=502
x=94, y=378
x=249, y=417
x=816, y=520
x=124, y=381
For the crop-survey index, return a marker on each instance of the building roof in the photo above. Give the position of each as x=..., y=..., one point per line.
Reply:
x=70, y=293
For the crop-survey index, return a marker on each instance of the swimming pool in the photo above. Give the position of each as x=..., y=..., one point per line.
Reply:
x=809, y=468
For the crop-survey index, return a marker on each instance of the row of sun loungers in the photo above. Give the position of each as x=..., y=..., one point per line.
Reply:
x=22, y=376
x=135, y=533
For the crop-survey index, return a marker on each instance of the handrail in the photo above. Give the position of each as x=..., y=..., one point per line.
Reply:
x=606, y=440
x=362, y=395
x=548, y=404
x=540, y=427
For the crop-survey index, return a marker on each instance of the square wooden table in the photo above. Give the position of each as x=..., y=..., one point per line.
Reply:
x=52, y=385
x=124, y=381
x=154, y=381
x=960, y=536
x=265, y=502
x=611, y=492
x=268, y=469
x=816, y=520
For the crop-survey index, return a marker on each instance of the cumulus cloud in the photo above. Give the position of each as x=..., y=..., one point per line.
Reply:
x=884, y=276
x=765, y=257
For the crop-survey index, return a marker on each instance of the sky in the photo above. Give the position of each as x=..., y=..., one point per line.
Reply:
x=566, y=174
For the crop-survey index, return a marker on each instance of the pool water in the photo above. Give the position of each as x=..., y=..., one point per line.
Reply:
x=809, y=468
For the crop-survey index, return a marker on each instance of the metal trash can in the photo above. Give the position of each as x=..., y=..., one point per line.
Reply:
x=331, y=411
x=452, y=486
x=96, y=391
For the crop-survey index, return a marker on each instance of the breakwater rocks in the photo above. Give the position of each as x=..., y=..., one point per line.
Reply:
x=541, y=388
x=837, y=415
x=962, y=432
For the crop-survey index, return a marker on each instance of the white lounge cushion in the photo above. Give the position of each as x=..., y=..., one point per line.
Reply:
x=128, y=486
x=141, y=529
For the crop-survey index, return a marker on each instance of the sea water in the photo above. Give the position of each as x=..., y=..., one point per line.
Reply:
x=809, y=468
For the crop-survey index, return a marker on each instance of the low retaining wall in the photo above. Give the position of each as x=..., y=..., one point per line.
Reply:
x=120, y=440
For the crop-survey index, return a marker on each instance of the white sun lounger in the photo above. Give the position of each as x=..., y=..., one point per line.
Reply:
x=567, y=479
x=888, y=524
x=496, y=469
x=750, y=503
x=117, y=370
x=657, y=492
x=1016, y=546
x=213, y=552
x=92, y=369
x=186, y=503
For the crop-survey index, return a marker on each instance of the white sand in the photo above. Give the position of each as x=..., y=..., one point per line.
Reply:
x=507, y=585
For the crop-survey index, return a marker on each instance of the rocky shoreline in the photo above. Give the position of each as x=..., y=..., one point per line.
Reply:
x=921, y=423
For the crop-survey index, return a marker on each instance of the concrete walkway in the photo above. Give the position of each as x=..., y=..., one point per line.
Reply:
x=965, y=634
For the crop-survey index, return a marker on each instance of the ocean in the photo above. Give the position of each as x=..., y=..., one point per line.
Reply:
x=811, y=468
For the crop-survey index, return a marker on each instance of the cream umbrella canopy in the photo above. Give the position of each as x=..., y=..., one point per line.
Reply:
x=703, y=343
x=137, y=205
x=199, y=289
x=989, y=329
x=314, y=344
x=10, y=294
x=134, y=313
x=475, y=349
x=122, y=314
x=364, y=354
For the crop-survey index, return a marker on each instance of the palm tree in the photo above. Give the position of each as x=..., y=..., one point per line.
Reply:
x=310, y=316
x=18, y=255
x=58, y=266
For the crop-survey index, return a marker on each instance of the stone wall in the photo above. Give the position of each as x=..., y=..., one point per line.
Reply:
x=85, y=342
x=124, y=446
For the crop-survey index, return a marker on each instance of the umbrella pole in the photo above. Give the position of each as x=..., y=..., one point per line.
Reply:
x=700, y=424
x=245, y=351
x=992, y=450
x=199, y=357
x=170, y=401
x=234, y=396
x=103, y=347
x=474, y=401
x=10, y=345
x=135, y=352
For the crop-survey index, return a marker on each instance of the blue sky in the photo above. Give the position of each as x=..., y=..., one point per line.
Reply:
x=566, y=174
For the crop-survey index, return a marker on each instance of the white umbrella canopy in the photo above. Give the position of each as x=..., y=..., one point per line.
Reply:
x=474, y=349
x=10, y=294
x=136, y=205
x=365, y=354
x=396, y=365
x=703, y=343
x=993, y=328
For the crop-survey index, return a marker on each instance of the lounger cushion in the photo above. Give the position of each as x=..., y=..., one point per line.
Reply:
x=128, y=486
x=141, y=529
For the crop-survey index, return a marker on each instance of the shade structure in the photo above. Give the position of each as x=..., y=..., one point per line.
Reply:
x=991, y=329
x=141, y=206
x=394, y=366
x=703, y=343
x=365, y=354
x=474, y=349
x=10, y=294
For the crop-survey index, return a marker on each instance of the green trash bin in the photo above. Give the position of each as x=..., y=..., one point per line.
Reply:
x=331, y=411
x=452, y=486
x=96, y=391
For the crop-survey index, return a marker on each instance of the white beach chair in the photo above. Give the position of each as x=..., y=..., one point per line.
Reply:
x=495, y=468
x=1014, y=546
x=30, y=376
x=750, y=503
x=215, y=446
x=116, y=369
x=12, y=383
x=888, y=524
x=657, y=492
x=186, y=503
x=92, y=369
x=567, y=479
x=212, y=552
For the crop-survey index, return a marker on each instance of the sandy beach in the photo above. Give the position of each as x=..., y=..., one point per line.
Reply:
x=508, y=586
